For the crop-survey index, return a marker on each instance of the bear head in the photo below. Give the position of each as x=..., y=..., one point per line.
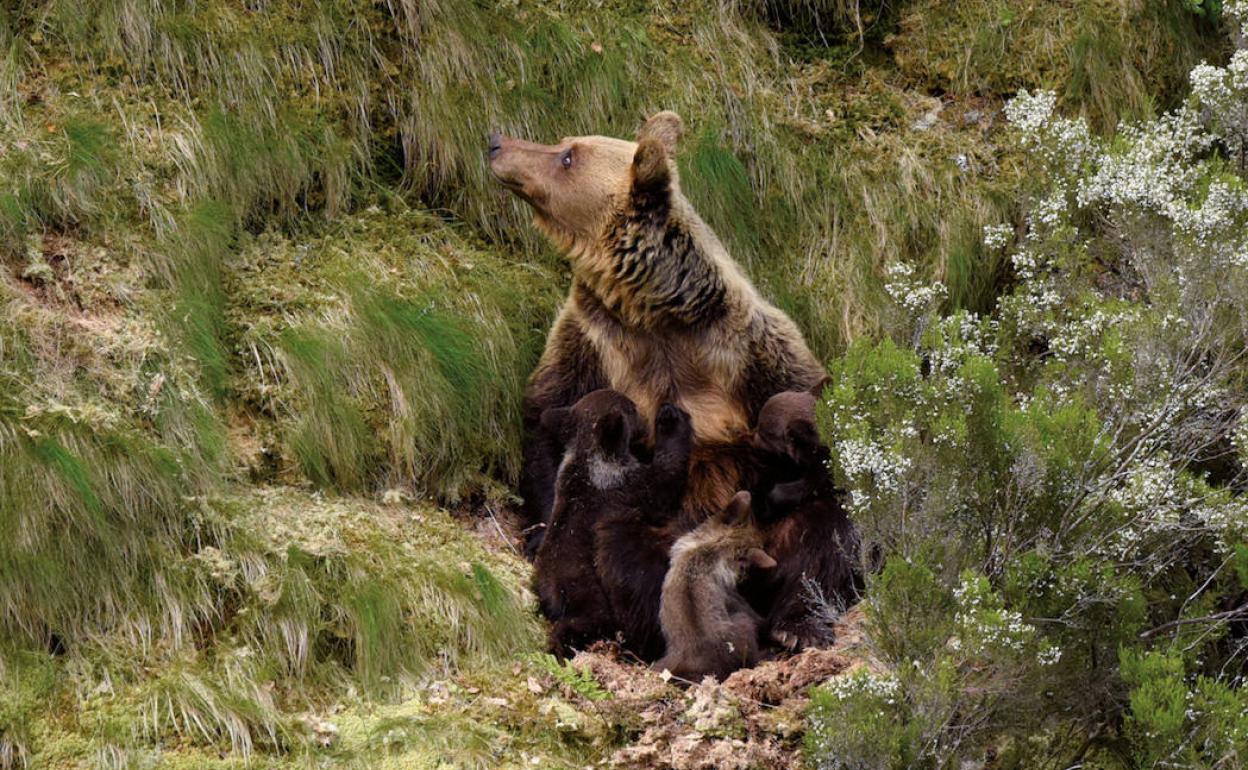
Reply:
x=575, y=186
x=740, y=540
x=731, y=539
x=786, y=430
x=601, y=431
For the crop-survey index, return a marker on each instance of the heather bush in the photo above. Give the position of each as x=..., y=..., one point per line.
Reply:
x=1055, y=489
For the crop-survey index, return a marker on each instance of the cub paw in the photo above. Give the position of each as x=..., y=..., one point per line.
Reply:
x=786, y=639
x=672, y=421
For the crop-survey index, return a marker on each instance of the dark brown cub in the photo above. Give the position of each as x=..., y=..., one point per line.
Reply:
x=804, y=526
x=634, y=535
x=598, y=470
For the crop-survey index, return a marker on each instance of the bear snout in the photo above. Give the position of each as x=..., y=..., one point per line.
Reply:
x=512, y=164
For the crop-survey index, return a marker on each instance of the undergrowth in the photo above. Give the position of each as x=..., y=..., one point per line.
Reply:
x=256, y=243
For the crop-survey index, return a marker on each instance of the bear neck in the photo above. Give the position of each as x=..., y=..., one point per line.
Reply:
x=657, y=267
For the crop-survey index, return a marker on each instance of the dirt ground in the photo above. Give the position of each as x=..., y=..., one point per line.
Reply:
x=753, y=719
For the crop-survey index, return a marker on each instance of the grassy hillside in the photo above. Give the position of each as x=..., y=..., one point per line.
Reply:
x=262, y=311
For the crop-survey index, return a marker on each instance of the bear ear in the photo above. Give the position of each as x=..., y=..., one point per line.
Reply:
x=737, y=512
x=803, y=442
x=610, y=431
x=760, y=558
x=557, y=421
x=665, y=128
x=816, y=390
x=656, y=147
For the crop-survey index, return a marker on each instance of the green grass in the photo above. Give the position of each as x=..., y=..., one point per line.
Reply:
x=1108, y=62
x=296, y=598
x=407, y=370
x=92, y=506
x=241, y=244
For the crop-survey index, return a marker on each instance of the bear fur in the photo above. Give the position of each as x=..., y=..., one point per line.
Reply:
x=657, y=310
x=599, y=482
x=804, y=527
x=709, y=628
x=632, y=541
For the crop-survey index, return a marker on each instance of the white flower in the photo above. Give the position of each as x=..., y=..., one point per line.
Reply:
x=1029, y=112
x=997, y=236
x=885, y=687
x=1049, y=655
x=861, y=458
x=910, y=293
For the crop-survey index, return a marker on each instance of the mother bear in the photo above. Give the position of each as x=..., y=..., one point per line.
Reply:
x=658, y=310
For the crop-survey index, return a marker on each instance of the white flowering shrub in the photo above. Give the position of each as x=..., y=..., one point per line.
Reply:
x=914, y=296
x=860, y=721
x=1057, y=490
x=984, y=625
x=963, y=653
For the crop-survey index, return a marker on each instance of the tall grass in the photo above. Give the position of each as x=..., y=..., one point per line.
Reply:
x=1108, y=61
x=272, y=588
x=433, y=379
x=91, y=508
x=408, y=371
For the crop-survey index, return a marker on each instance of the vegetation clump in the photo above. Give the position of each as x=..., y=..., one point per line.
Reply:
x=1057, y=488
x=262, y=310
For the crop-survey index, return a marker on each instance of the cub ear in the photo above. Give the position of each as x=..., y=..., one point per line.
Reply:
x=760, y=558
x=557, y=421
x=737, y=512
x=816, y=390
x=609, y=429
x=803, y=441
x=656, y=147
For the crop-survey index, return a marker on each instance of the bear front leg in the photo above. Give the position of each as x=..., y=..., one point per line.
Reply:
x=541, y=456
x=778, y=362
x=673, y=442
x=570, y=634
x=801, y=629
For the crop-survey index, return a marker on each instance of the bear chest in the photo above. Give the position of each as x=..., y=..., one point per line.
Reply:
x=697, y=372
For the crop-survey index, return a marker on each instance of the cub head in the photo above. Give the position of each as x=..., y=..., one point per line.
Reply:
x=576, y=185
x=786, y=429
x=602, y=429
x=740, y=541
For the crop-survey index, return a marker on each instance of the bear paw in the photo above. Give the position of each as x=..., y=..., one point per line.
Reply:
x=672, y=421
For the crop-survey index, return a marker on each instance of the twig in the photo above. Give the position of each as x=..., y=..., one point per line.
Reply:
x=1240, y=611
x=489, y=509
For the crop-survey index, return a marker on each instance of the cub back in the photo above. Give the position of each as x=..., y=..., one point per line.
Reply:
x=707, y=625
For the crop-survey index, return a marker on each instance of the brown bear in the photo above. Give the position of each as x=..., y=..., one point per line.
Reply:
x=805, y=528
x=708, y=626
x=632, y=541
x=599, y=480
x=658, y=310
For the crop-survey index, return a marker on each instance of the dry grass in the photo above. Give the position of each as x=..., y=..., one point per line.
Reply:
x=1109, y=61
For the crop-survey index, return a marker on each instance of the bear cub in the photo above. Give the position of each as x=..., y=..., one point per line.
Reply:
x=601, y=488
x=804, y=527
x=708, y=626
x=633, y=539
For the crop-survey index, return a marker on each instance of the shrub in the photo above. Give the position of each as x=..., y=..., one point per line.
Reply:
x=1056, y=489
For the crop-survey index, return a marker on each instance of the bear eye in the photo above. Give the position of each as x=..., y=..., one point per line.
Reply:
x=566, y=159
